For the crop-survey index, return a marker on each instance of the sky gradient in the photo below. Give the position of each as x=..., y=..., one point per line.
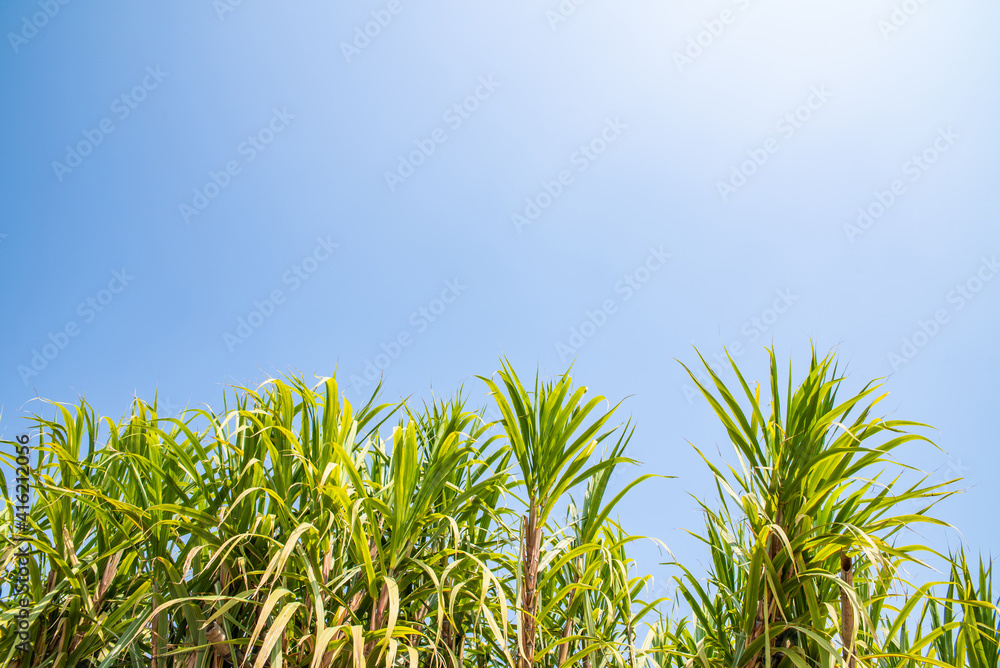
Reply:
x=204, y=193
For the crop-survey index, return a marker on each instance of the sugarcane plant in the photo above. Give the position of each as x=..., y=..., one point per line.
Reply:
x=808, y=536
x=965, y=620
x=553, y=438
x=293, y=527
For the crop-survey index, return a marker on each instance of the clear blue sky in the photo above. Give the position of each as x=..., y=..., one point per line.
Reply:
x=194, y=196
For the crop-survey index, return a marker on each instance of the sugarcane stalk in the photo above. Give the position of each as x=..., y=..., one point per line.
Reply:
x=531, y=550
x=847, y=620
